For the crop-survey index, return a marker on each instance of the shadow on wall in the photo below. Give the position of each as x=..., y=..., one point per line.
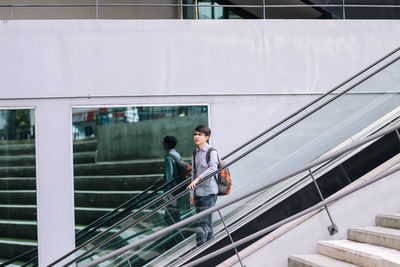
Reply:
x=143, y=140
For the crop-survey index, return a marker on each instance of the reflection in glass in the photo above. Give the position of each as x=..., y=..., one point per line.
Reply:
x=252, y=9
x=119, y=153
x=18, y=223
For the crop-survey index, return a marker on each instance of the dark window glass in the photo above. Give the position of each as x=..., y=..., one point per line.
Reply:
x=304, y=12
x=18, y=222
x=372, y=12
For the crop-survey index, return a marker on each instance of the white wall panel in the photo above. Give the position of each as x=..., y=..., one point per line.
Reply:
x=80, y=58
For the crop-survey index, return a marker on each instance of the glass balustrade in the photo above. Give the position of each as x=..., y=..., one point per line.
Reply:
x=341, y=120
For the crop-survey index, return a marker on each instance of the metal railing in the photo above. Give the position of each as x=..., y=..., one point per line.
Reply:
x=308, y=167
x=236, y=159
x=264, y=8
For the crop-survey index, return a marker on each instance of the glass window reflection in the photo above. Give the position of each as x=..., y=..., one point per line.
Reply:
x=119, y=153
x=18, y=222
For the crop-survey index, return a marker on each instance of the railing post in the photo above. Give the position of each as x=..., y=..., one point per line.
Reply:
x=172, y=219
x=331, y=228
x=181, y=8
x=230, y=237
x=263, y=9
x=11, y=10
x=127, y=260
x=196, y=9
x=344, y=9
x=97, y=9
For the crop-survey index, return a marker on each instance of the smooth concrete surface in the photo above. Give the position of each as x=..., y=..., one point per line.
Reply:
x=250, y=73
x=91, y=58
x=375, y=235
x=316, y=260
x=388, y=220
x=361, y=254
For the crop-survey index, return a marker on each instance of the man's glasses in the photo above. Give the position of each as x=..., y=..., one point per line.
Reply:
x=198, y=134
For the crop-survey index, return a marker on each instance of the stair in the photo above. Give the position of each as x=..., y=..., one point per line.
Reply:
x=18, y=226
x=102, y=186
x=369, y=246
x=99, y=188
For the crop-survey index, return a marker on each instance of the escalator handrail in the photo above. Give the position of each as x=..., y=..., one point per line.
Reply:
x=124, y=219
x=240, y=156
x=236, y=199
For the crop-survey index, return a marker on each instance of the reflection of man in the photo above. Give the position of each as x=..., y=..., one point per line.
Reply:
x=172, y=214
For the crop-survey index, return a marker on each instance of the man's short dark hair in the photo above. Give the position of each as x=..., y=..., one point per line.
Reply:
x=203, y=129
x=170, y=141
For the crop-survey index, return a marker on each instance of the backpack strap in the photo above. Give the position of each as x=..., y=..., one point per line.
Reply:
x=207, y=159
x=173, y=157
x=211, y=149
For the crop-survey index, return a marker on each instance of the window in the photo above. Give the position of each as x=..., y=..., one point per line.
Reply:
x=18, y=215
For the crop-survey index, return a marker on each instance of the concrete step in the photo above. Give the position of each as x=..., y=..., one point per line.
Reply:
x=375, y=235
x=20, y=171
x=362, y=254
x=17, y=160
x=316, y=260
x=391, y=220
x=115, y=182
x=18, y=212
x=22, y=197
x=17, y=149
x=85, y=157
x=18, y=229
x=92, y=182
x=134, y=167
x=10, y=248
x=30, y=160
x=85, y=145
x=85, y=216
x=17, y=183
x=103, y=199
x=28, y=147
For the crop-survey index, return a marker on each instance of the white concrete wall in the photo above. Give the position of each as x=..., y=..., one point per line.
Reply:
x=251, y=73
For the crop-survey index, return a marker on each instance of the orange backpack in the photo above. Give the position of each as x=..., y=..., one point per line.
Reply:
x=223, y=178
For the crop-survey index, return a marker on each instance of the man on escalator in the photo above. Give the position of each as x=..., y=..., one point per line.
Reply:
x=203, y=196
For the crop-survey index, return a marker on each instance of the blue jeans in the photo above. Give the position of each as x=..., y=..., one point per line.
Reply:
x=204, y=230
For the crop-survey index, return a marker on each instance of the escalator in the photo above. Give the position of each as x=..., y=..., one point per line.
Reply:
x=352, y=111
x=349, y=113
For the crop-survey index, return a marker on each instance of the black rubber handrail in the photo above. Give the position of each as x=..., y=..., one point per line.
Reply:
x=250, y=150
x=236, y=199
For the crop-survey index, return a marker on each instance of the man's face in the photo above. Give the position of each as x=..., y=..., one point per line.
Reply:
x=200, y=138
